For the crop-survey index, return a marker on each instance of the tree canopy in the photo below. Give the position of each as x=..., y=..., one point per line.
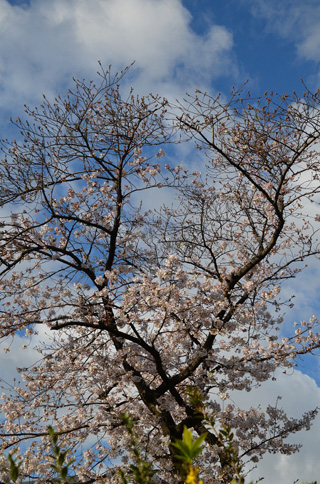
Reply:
x=142, y=305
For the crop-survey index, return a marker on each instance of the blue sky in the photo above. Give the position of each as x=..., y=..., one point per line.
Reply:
x=264, y=58
x=177, y=45
x=263, y=53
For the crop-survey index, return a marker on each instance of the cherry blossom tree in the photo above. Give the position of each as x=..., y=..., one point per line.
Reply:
x=139, y=307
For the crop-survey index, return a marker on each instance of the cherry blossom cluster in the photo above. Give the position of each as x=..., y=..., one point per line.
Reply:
x=138, y=304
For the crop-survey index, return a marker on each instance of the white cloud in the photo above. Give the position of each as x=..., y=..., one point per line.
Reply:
x=299, y=393
x=18, y=357
x=44, y=44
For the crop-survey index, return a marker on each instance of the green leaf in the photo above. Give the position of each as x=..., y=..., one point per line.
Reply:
x=188, y=448
x=64, y=472
x=187, y=436
x=62, y=457
x=200, y=439
x=182, y=446
x=14, y=468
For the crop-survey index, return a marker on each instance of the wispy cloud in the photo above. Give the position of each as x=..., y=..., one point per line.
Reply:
x=294, y=20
